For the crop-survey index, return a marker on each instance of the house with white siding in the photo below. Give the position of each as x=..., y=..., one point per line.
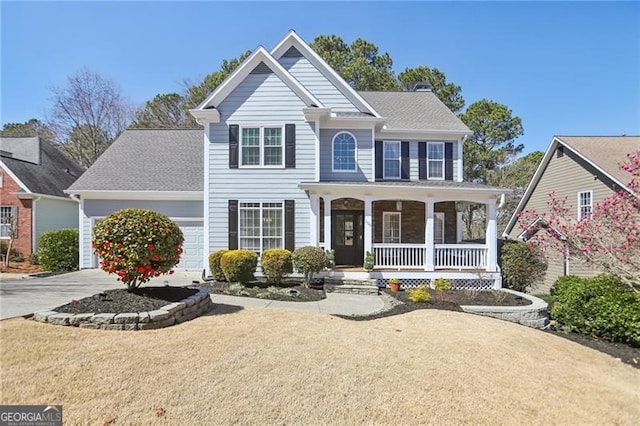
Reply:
x=290, y=155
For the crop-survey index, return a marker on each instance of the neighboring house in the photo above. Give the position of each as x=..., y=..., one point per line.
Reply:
x=585, y=169
x=33, y=175
x=294, y=156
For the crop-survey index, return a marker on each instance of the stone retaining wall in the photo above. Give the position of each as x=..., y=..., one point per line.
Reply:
x=534, y=315
x=168, y=315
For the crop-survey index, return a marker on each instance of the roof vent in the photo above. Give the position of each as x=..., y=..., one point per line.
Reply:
x=422, y=86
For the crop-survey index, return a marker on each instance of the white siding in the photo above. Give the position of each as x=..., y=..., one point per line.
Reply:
x=261, y=99
x=317, y=84
x=364, y=152
x=54, y=214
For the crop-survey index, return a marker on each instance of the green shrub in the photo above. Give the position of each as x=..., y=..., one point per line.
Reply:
x=419, y=295
x=309, y=260
x=523, y=265
x=369, y=261
x=239, y=265
x=442, y=284
x=331, y=259
x=214, y=265
x=276, y=263
x=59, y=250
x=33, y=259
x=137, y=244
x=601, y=306
x=14, y=254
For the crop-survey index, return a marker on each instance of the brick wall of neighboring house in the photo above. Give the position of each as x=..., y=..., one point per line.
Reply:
x=23, y=242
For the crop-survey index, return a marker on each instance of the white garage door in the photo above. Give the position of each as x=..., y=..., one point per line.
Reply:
x=193, y=247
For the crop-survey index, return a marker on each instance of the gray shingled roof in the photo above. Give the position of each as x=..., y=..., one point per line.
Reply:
x=605, y=151
x=39, y=164
x=414, y=111
x=148, y=160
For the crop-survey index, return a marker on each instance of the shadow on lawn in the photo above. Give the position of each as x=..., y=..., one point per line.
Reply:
x=222, y=309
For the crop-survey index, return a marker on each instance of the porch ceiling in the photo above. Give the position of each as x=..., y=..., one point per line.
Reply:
x=417, y=190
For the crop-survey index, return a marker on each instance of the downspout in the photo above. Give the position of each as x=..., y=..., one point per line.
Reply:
x=76, y=198
x=34, y=235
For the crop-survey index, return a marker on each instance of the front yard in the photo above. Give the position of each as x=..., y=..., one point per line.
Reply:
x=268, y=366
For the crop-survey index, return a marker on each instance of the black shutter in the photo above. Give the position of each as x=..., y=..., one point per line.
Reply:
x=234, y=133
x=422, y=160
x=290, y=225
x=404, y=160
x=233, y=224
x=290, y=146
x=379, y=160
x=448, y=161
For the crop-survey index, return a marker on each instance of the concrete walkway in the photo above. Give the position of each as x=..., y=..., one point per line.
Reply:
x=24, y=296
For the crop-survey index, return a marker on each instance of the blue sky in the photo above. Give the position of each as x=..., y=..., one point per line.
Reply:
x=565, y=68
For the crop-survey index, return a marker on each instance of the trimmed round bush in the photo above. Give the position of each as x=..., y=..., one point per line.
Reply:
x=601, y=306
x=137, y=244
x=214, y=265
x=523, y=265
x=309, y=260
x=59, y=250
x=276, y=264
x=239, y=265
x=419, y=295
x=442, y=284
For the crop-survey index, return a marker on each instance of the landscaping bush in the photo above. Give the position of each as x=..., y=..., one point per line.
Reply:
x=276, y=263
x=33, y=259
x=239, y=265
x=214, y=265
x=59, y=250
x=14, y=254
x=523, y=265
x=309, y=260
x=419, y=295
x=137, y=244
x=442, y=284
x=601, y=306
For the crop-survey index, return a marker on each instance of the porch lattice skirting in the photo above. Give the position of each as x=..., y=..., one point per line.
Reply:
x=456, y=284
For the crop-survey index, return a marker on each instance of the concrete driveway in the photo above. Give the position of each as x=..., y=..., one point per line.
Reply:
x=24, y=296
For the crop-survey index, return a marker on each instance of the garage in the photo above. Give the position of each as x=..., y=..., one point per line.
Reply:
x=193, y=246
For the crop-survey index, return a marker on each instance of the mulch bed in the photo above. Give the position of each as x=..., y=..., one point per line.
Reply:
x=290, y=290
x=121, y=301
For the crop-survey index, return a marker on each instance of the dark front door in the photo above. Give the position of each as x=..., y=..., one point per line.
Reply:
x=347, y=227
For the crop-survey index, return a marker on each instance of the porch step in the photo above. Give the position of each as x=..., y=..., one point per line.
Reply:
x=351, y=286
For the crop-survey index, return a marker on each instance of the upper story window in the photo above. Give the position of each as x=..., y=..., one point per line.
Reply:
x=344, y=152
x=261, y=146
x=392, y=160
x=435, y=160
x=585, y=204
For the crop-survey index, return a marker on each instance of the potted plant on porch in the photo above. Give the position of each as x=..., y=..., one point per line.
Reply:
x=369, y=261
x=394, y=284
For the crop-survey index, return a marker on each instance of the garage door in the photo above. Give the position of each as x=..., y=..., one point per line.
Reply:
x=193, y=247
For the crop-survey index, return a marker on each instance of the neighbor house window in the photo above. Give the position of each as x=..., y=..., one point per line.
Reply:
x=585, y=204
x=8, y=216
x=391, y=227
x=344, y=152
x=261, y=226
x=438, y=228
x=435, y=160
x=261, y=146
x=392, y=160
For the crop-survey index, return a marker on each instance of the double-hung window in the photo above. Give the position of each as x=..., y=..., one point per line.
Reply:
x=585, y=204
x=7, y=220
x=391, y=227
x=435, y=160
x=438, y=228
x=261, y=146
x=261, y=226
x=344, y=152
x=392, y=160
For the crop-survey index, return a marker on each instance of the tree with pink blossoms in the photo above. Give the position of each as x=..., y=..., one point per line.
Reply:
x=608, y=239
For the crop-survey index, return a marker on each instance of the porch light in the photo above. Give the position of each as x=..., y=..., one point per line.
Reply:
x=399, y=206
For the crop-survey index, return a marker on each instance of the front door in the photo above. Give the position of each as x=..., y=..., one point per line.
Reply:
x=347, y=227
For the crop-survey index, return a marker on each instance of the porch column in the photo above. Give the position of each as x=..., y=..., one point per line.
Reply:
x=327, y=222
x=368, y=221
x=313, y=220
x=459, y=227
x=429, y=264
x=491, y=237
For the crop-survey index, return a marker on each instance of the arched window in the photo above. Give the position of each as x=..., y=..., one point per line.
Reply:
x=344, y=152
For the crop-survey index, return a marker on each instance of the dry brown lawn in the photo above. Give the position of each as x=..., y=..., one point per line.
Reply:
x=259, y=366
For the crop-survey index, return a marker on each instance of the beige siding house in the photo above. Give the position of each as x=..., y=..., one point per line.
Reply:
x=585, y=169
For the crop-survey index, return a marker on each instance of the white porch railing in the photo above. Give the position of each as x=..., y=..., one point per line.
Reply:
x=446, y=256
x=409, y=256
x=460, y=256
